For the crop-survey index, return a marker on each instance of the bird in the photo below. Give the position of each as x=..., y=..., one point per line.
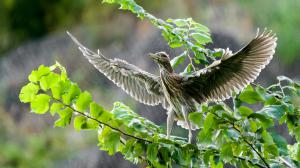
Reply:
x=179, y=94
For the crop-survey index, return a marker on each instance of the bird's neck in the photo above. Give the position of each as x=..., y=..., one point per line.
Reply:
x=167, y=68
x=165, y=72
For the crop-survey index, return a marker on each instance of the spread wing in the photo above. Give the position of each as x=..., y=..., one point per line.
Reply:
x=142, y=86
x=233, y=72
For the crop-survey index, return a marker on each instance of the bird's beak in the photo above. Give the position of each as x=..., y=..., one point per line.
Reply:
x=155, y=57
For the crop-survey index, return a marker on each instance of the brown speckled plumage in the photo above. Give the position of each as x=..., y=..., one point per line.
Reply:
x=179, y=93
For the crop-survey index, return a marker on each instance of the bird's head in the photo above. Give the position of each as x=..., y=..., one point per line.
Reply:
x=163, y=60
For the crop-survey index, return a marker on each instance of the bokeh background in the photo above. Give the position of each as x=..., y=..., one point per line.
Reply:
x=33, y=32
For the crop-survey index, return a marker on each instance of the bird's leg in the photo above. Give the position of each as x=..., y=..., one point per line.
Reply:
x=170, y=121
x=185, y=115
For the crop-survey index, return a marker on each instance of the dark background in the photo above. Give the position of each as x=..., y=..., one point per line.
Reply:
x=32, y=32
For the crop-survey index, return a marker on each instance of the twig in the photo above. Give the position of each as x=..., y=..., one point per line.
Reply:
x=256, y=164
x=145, y=140
x=252, y=146
x=268, y=91
x=102, y=123
x=191, y=60
x=244, y=139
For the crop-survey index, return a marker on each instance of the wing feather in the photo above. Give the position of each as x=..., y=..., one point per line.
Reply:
x=233, y=72
x=141, y=85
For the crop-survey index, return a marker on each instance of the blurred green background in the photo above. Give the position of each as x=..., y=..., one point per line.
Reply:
x=33, y=32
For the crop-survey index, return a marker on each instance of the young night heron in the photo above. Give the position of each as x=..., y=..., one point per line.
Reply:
x=178, y=93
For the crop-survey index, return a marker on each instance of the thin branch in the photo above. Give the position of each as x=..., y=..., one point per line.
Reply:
x=141, y=139
x=252, y=146
x=268, y=91
x=255, y=164
x=191, y=60
x=244, y=139
x=102, y=123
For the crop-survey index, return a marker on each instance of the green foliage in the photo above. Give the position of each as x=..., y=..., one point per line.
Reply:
x=238, y=136
x=185, y=33
x=226, y=135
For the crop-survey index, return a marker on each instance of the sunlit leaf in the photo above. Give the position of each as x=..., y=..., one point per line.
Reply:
x=178, y=60
x=152, y=151
x=196, y=118
x=201, y=38
x=83, y=101
x=55, y=107
x=79, y=122
x=265, y=121
x=28, y=92
x=250, y=97
x=71, y=94
x=65, y=117
x=245, y=111
x=226, y=152
x=40, y=104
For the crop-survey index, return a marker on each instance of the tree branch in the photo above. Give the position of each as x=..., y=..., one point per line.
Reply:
x=102, y=123
x=244, y=139
x=145, y=140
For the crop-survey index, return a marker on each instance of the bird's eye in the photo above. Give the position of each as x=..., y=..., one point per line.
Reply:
x=164, y=56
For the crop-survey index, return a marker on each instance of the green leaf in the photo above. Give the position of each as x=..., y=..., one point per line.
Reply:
x=217, y=53
x=55, y=107
x=178, y=22
x=28, y=92
x=245, y=111
x=71, y=94
x=226, y=152
x=208, y=122
x=201, y=38
x=297, y=132
x=294, y=151
x=206, y=157
x=213, y=164
x=188, y=69
x=178, y=60
x=253, y=126
x=267, y=137
x=40, y=104
x=152, y=151
x=275, y=111
x=79, y=121
x=49, y=81
x=95, y=110
x=65, y=117
x=271, y=149
x=200, y=56
x=250, y=97
x=60, y=88
x=83, y=101
x=165, y=155
x=109, y=140
x=181, y=156
x=280, y=142
x=196, y=118
x=199, y=27
x=175, y=43
x=205, y=137
x=233, y=134
x=36, y=75
x=265, y=121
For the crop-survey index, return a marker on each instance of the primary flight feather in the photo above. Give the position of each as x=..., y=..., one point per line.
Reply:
x=180, y=93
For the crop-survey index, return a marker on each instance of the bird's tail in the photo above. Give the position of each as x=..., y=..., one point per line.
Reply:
x=184, y=125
